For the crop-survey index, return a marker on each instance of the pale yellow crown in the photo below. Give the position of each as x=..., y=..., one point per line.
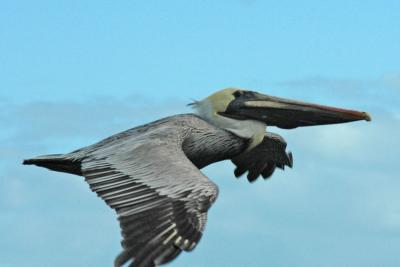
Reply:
x=221, y=99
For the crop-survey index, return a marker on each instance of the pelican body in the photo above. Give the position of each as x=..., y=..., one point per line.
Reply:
x=151, y=174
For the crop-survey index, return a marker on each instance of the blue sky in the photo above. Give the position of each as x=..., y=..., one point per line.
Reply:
x=73, y=72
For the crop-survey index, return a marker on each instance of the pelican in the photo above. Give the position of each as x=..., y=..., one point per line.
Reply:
x=151, y=174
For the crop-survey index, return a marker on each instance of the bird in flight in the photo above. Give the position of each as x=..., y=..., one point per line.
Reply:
x=151, y=174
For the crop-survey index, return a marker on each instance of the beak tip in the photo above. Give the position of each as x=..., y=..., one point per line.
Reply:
x=367, y=117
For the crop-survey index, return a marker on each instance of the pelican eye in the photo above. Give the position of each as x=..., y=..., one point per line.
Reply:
x=237, y=94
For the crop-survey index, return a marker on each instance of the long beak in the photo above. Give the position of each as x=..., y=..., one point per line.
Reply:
x=288, y=114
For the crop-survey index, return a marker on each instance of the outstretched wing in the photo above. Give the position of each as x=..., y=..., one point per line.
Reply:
x=264, y=158
x=160, y=196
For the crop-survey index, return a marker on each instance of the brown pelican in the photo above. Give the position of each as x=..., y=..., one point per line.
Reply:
x=150, y=174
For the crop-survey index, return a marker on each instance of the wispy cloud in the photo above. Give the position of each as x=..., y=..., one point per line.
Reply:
x=392, y=80
x=65, y=118
x=342, y=189
x=387, y=81
x=383, y=92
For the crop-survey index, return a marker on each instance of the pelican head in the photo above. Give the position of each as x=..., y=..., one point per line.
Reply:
x=247, y=113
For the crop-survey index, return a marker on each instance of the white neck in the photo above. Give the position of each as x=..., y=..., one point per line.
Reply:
x=249, y=129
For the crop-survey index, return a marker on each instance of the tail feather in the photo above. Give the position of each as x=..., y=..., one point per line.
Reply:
x=56, y=162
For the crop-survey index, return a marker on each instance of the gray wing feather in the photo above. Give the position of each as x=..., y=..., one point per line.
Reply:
x=160, y=196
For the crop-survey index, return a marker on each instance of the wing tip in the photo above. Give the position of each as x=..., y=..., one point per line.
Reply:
x=27, y=162
x=289, y=158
